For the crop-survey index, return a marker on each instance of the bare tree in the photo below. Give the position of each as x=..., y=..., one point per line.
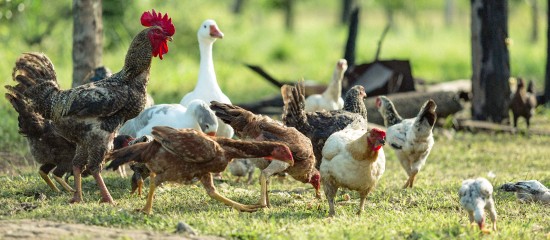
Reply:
x=449, y=12
x=547, y=77
x=534, y=20
x=347, y=7
x=87, y=38
x=490, y=60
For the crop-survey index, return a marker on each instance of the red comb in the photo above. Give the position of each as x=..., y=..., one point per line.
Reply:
x=378, y=132
x=149, y=19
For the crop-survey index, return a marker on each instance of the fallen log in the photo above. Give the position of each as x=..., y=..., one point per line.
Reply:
x=477, y=126
x=408, y=104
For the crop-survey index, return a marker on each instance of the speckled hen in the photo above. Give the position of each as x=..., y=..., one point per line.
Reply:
x=89, y=115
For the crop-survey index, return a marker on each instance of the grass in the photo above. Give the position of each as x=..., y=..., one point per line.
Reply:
x=431, y=210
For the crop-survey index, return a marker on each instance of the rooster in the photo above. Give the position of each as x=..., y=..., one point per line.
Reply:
x=353, y=158
x=528, y=191
x=89, y=115
x=331, y=98
x=318, y=126
x=475, y=196
x=179, y=155
x=257, y=127
x=523, y=102
x=412, y=139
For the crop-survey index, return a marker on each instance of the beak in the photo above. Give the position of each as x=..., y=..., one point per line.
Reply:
x=215, y=32
x=213, y=134
x=169, y=38
x=382, y=141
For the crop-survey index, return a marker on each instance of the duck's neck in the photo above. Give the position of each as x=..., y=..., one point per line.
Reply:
x=207, y=75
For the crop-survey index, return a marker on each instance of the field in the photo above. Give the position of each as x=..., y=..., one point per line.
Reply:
x=437, y=52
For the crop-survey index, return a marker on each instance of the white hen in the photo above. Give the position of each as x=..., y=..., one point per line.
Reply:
x=475, y=196
x=412, y=138
x=529, y=191
x=207, y=88
x=353, y=158
x=331, y=99
x=198, y=116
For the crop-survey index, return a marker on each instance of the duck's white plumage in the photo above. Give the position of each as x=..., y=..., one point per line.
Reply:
x=331, y=98
x=198, y=116
x=207, y=88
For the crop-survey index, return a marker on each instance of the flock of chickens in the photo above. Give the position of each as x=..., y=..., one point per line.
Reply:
x=320, y=140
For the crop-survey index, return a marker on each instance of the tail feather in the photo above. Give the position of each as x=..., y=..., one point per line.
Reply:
x=30, y=122
x=427, y=112
x=235, y=116
x=140, y=152
x=34, y=65
x=509, y=187
x=294, y=104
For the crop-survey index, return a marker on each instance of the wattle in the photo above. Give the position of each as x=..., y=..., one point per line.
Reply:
x=160, y=48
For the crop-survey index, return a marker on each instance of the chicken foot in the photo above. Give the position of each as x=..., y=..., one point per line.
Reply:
x=207, y=182
x=275, y=166
x=362, y=197
x=77, y=198
x=63, y=184
x=48, y=180
x=138, y=187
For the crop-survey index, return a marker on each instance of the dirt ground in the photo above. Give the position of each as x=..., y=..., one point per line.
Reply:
x=46, y=230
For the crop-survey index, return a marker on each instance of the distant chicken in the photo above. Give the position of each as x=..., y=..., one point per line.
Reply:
x=242, y=167
x=475, y=196
x=523, y=102
x=257, y=127
x=331, y=98
x=141, y=172
x=353, y=158
x=412, y=139
x=319, y=125
x=529, y=191
x=197, y=115
x=179, y=155
x=89, y=115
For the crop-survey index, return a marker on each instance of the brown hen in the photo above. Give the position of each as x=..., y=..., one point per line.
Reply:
x=179, y=155
x=250, y=126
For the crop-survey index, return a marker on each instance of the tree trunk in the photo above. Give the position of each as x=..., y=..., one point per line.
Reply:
x=449, y=12
x=490, y=60
x=237, y=6
x=349, y=51
x=347, y=7
x=289, y=15
x=87, y=38
x=534, y=21
x=547, y=77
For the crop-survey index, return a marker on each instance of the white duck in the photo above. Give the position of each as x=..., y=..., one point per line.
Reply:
x=207, y=88
x=197, y=115
x=475, y=196
x=331, y=99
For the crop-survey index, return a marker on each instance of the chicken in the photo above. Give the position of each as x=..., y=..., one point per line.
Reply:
x=528, y=191
x=353, y=158
x=89, y=115
x=318, y=126
x=197, y=115
x=523, y=102
x=241, y=167
x=47, y=147
x=102, y=72
x=179, y=155
x=412, y=139
x=475, y=196
x=331, y=98
x=119, y=142
x=207, y=88
x=250, y=126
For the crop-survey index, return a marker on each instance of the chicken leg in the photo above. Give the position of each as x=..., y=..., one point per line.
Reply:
x=63, y=184
x=105, y=195
x=77, y=198
x=275, y=166
x=148, y=208
x=48, y=180
x=330, y=193
x=208, y=183
x=363, y=197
